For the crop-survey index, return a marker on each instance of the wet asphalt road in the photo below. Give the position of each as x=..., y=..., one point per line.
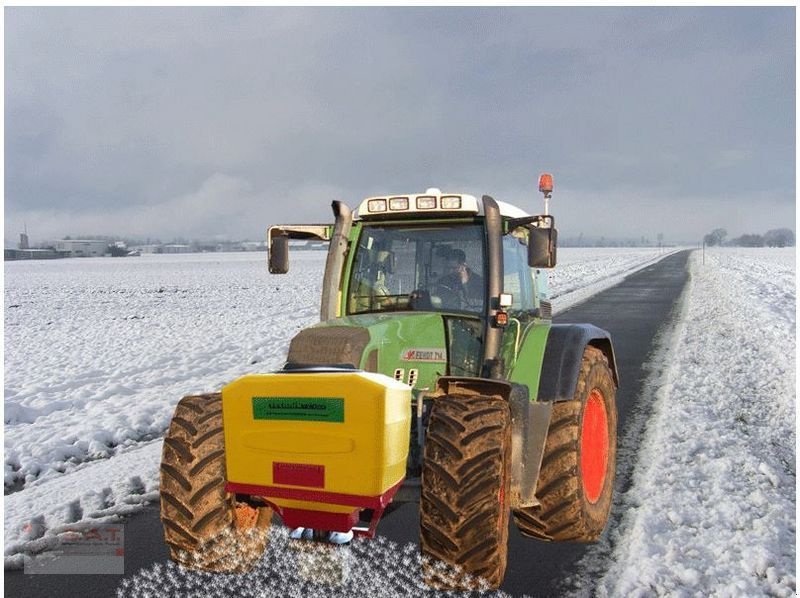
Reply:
x=633, y=312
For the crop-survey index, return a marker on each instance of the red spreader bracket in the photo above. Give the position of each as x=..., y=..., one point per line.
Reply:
x=330, y=522
x=369, y=532
x=322, y=520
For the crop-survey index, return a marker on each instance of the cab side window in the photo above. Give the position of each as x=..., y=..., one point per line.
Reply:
x=517, y=276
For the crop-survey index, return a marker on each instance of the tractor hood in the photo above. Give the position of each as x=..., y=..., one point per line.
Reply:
x=409, y=347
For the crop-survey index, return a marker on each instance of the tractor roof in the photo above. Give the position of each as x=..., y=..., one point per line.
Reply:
x=433, y=202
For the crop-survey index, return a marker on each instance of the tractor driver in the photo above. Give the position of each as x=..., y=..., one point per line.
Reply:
x=460, y=287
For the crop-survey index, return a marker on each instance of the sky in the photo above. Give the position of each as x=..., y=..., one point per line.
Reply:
x=215, y=123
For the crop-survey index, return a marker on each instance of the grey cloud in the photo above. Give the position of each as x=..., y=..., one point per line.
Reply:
x=110, y=111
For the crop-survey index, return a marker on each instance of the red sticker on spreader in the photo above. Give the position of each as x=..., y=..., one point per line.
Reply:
x=298, y=474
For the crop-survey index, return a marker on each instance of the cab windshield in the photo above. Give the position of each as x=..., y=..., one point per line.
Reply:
x=402, y=268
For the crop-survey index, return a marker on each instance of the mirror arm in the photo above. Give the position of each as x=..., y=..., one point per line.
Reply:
x=321, y=232
x=526, y=220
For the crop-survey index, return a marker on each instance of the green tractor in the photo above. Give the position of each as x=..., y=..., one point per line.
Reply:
x=434, y=375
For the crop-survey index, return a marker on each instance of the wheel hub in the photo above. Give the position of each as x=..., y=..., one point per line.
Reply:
x=594, y=446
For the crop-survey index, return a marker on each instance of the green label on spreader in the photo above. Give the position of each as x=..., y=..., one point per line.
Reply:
x=317, y=409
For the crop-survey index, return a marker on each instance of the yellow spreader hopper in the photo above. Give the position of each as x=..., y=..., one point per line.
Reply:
x=318, y=446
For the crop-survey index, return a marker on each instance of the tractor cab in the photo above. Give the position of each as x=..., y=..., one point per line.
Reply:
x=473, y=264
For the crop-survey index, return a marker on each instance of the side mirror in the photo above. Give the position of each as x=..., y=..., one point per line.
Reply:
x=279, y=254
x=542, y=244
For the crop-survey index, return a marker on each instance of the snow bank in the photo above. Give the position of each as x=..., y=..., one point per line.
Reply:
x=711, y=510
x=99, y=350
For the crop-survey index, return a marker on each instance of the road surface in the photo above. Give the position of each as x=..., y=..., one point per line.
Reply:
x=633, y=312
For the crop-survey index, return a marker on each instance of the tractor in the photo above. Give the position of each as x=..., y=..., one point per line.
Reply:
x=435, y=375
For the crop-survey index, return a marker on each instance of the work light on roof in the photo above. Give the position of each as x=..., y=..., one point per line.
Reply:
x=451, y=202
x=426, y=202
x=398, y=203
x=376, y=205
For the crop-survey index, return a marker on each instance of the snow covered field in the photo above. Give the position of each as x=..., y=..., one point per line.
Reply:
x=98, y=351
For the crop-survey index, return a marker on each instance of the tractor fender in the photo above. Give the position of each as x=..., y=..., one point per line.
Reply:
x=530, y=420
x=562, y=359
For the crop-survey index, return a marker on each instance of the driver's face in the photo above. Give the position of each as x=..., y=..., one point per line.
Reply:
x=455, y=266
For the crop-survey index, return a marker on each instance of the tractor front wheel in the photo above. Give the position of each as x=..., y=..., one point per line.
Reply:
x=204, y=526
x=464, y=508
x=576, y=479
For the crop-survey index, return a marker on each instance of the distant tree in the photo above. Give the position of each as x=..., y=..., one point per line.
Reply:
x=779, y=237
x=748, y=241
x=715, y=237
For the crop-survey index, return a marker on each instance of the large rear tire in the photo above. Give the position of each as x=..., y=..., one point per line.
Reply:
x=464, y=508
x=204, y=527
x=576, y=480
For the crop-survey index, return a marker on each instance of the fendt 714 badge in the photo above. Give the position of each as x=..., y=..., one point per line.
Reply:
x=434, y=355
x=434, y=375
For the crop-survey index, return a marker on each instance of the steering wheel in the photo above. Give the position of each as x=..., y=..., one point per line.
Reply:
x=451, y=297
x=420, y=300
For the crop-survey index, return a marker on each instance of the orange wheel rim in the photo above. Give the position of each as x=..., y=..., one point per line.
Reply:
x=594, y=446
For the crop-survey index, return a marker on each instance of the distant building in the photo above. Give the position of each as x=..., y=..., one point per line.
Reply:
x=254, y=245
x=174, y=248
x=148, y=248
x=308, y=245
x=33, y=254
x=82, y=247
x=223, y=246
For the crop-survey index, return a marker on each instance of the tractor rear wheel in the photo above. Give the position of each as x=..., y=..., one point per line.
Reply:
x=576, y=479
x=464, y=508
x=204, y=526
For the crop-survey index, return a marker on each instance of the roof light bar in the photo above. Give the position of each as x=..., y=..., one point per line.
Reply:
x=414, y=206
